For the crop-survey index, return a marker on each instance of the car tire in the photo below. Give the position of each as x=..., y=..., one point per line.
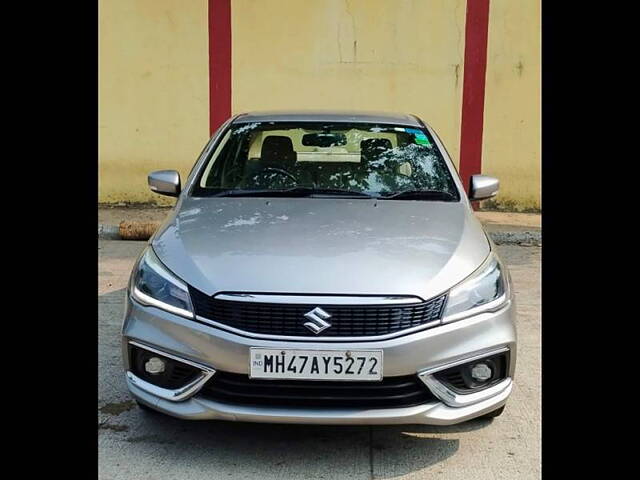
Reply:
x=495, y=413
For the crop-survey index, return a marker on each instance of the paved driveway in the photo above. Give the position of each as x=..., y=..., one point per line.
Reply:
x=137, y=445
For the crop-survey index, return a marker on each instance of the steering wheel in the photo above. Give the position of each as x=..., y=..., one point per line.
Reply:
x=281, y=171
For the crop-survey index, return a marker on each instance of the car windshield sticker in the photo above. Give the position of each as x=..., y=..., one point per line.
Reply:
x=420, y=137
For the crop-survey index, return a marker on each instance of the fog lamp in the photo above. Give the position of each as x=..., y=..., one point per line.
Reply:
x=481, y=372
x=154, y=366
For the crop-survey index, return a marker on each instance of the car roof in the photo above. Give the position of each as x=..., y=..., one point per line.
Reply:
x=329, y=116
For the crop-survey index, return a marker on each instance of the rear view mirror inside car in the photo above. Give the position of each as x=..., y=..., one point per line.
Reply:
x=324, y=139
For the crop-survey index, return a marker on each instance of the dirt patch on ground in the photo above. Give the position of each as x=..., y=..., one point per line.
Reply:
x=116, y=408
x=526, y=220
x=108, y=215
x=115, y=428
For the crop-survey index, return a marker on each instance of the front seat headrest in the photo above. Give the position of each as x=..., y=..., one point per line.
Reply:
x=277, y=150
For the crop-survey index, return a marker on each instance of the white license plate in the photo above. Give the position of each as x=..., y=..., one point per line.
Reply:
x=358, y=365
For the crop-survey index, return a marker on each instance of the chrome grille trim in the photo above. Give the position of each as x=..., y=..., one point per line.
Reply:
x=319, y=299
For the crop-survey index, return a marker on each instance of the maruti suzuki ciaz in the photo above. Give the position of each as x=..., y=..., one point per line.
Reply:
x=321, y=268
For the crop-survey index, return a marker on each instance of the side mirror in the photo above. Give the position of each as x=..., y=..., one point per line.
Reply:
x=482, y=187
x=165, y=182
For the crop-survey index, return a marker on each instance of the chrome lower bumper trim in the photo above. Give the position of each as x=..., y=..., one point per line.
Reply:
x=433, y=413
x=457, y=400
x=173, y=395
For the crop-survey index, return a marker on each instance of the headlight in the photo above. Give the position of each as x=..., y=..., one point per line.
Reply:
x=154, y=285
x=486, y=289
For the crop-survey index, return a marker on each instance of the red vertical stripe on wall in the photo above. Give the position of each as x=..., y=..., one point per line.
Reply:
x=219, y=62
x=475, y=67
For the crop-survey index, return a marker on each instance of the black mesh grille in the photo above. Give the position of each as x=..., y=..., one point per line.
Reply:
x=390, y=392
x=288, y=319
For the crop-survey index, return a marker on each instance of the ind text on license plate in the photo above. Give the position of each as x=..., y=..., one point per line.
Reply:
x=363, y=365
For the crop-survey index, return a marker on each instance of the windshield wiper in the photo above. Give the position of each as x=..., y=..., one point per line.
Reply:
x=419, y=195
x=239, y=192
x=337, y=191
x=290, y=192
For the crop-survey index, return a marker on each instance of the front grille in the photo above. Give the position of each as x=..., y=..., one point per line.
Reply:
x=288, y=319
x=391, y=392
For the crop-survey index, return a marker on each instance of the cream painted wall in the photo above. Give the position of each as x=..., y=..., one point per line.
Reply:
x=403, y=55
x=400, y=55
x=153, y=92
x=511, y=138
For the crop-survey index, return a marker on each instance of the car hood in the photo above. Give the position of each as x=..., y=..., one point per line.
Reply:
x=321, y=245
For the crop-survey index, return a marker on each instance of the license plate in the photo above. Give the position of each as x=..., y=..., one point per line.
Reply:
x=358, y=365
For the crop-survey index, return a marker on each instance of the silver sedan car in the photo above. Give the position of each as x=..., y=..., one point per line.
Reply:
x=321, y=268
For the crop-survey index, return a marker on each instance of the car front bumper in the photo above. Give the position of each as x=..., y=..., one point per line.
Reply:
x=419, y=353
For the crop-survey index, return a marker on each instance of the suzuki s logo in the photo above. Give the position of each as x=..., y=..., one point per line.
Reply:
x=317, y=320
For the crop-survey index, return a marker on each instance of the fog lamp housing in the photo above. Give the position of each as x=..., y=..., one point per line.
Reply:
x=475, y=375
x=481, y=372
x=154, y=366
x=160, y=370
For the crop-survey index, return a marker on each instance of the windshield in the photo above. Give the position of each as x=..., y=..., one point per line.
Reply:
x=358, y=159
